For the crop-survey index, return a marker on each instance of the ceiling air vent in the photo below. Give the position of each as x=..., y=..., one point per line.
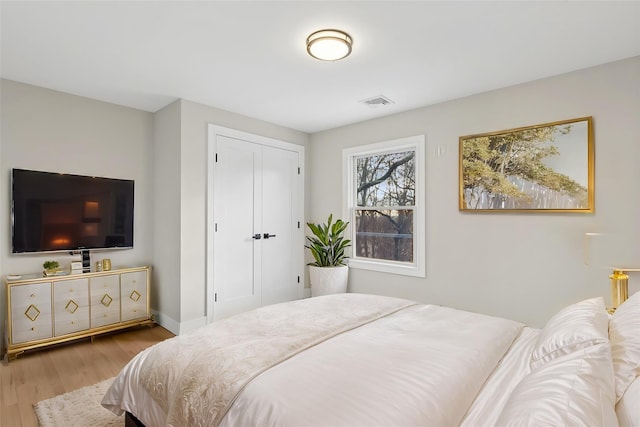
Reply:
x=377, y=101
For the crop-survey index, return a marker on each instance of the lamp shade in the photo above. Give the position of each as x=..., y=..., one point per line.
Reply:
x=329, y=45
x=610, y=250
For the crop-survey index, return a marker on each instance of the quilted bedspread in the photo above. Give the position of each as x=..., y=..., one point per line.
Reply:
x=346, y=359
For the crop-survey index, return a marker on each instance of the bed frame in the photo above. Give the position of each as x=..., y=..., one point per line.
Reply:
x=131, y=421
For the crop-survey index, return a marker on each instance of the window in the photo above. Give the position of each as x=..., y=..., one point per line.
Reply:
x=384, y=202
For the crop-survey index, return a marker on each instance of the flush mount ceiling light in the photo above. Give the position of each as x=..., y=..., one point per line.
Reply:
x=329, y=45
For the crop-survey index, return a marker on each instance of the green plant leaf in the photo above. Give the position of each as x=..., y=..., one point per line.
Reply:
x=327, y=244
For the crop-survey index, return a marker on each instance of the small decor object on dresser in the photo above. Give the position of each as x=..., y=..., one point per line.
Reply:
x=50, y=268
x=76, y=267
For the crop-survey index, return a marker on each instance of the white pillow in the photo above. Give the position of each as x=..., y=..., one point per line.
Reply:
x=574, y=327
x=624, y=334
x=573, y=390
x=628, y=407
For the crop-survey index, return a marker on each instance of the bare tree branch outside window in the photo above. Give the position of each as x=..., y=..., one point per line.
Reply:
x=385, y=199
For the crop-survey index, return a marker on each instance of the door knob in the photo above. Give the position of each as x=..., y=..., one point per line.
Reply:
x=267, y=235
x=257, y=236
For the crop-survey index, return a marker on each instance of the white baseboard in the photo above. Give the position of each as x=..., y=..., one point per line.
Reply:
x=193, y=324
x=175, y=327
x=166, y=322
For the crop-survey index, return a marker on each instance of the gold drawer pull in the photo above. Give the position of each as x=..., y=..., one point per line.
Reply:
x=71, y=306
x=33, y=329
x=73, y=322
x=106, y=300
x=33, y=295
x=135, y=296
x=32, y=312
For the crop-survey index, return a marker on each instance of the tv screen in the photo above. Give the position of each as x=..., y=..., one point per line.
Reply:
x=61, y=212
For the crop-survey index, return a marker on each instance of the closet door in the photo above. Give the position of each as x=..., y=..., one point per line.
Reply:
x=279, y=225
x=237, y=231
x=255, y=224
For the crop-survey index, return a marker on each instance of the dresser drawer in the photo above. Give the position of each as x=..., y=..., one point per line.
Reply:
x=70, y=306
x=133, y=289
x=105, y=300
x=30, y=312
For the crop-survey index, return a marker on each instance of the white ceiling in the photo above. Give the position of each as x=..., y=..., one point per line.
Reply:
x=250, y=58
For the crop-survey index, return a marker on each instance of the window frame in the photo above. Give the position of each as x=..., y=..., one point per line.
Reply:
x=349, y=156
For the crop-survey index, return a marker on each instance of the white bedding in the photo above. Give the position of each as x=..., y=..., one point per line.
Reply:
x=405, y=364
x=513, y=367
x=421, y=366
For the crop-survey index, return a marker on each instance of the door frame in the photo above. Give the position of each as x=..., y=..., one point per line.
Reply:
x=213, y=132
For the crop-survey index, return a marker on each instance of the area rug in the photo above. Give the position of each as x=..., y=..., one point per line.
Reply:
x=78, y=408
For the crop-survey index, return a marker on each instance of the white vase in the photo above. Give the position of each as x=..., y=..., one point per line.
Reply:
x=328, y=280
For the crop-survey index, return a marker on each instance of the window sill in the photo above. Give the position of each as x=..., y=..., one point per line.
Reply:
x=387, y=267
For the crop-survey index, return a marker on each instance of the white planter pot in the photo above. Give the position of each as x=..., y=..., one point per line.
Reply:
x=328, y=280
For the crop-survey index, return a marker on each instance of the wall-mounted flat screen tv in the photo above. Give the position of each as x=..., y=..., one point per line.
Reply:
x=62, y=212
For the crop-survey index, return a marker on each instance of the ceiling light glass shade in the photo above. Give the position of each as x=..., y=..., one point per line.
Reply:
x=329, y=45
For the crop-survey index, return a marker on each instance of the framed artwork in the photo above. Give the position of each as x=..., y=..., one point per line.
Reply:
x=541, y=168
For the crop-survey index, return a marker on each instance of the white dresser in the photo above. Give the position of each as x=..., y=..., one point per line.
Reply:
x=47, y=310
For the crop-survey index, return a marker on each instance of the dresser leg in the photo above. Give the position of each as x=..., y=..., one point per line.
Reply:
x=13, y=356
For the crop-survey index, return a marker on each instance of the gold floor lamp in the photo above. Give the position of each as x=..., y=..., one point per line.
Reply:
x=609, y=249
x=619, y=286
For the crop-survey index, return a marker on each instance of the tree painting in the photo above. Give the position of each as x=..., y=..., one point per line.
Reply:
x=519, y=169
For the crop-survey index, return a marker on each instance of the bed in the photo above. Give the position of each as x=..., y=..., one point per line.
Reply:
x=367, y=360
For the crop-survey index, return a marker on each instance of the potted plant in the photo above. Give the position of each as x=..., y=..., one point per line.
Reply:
x=329, y=273
x=50, y=268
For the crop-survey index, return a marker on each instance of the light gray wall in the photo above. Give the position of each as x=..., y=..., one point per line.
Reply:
x=53, y=131
x=166, y=220
x=520, y=266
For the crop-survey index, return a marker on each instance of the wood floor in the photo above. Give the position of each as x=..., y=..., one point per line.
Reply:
x=46, y=373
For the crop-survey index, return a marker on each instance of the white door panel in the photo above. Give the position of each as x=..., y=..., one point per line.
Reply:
x=279, y=177
x=234, y=247
x=256, y=238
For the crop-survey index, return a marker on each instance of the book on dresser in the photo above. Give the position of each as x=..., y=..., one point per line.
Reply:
x=42, y=311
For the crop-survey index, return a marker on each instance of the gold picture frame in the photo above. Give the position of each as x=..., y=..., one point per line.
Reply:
x=540, y=168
